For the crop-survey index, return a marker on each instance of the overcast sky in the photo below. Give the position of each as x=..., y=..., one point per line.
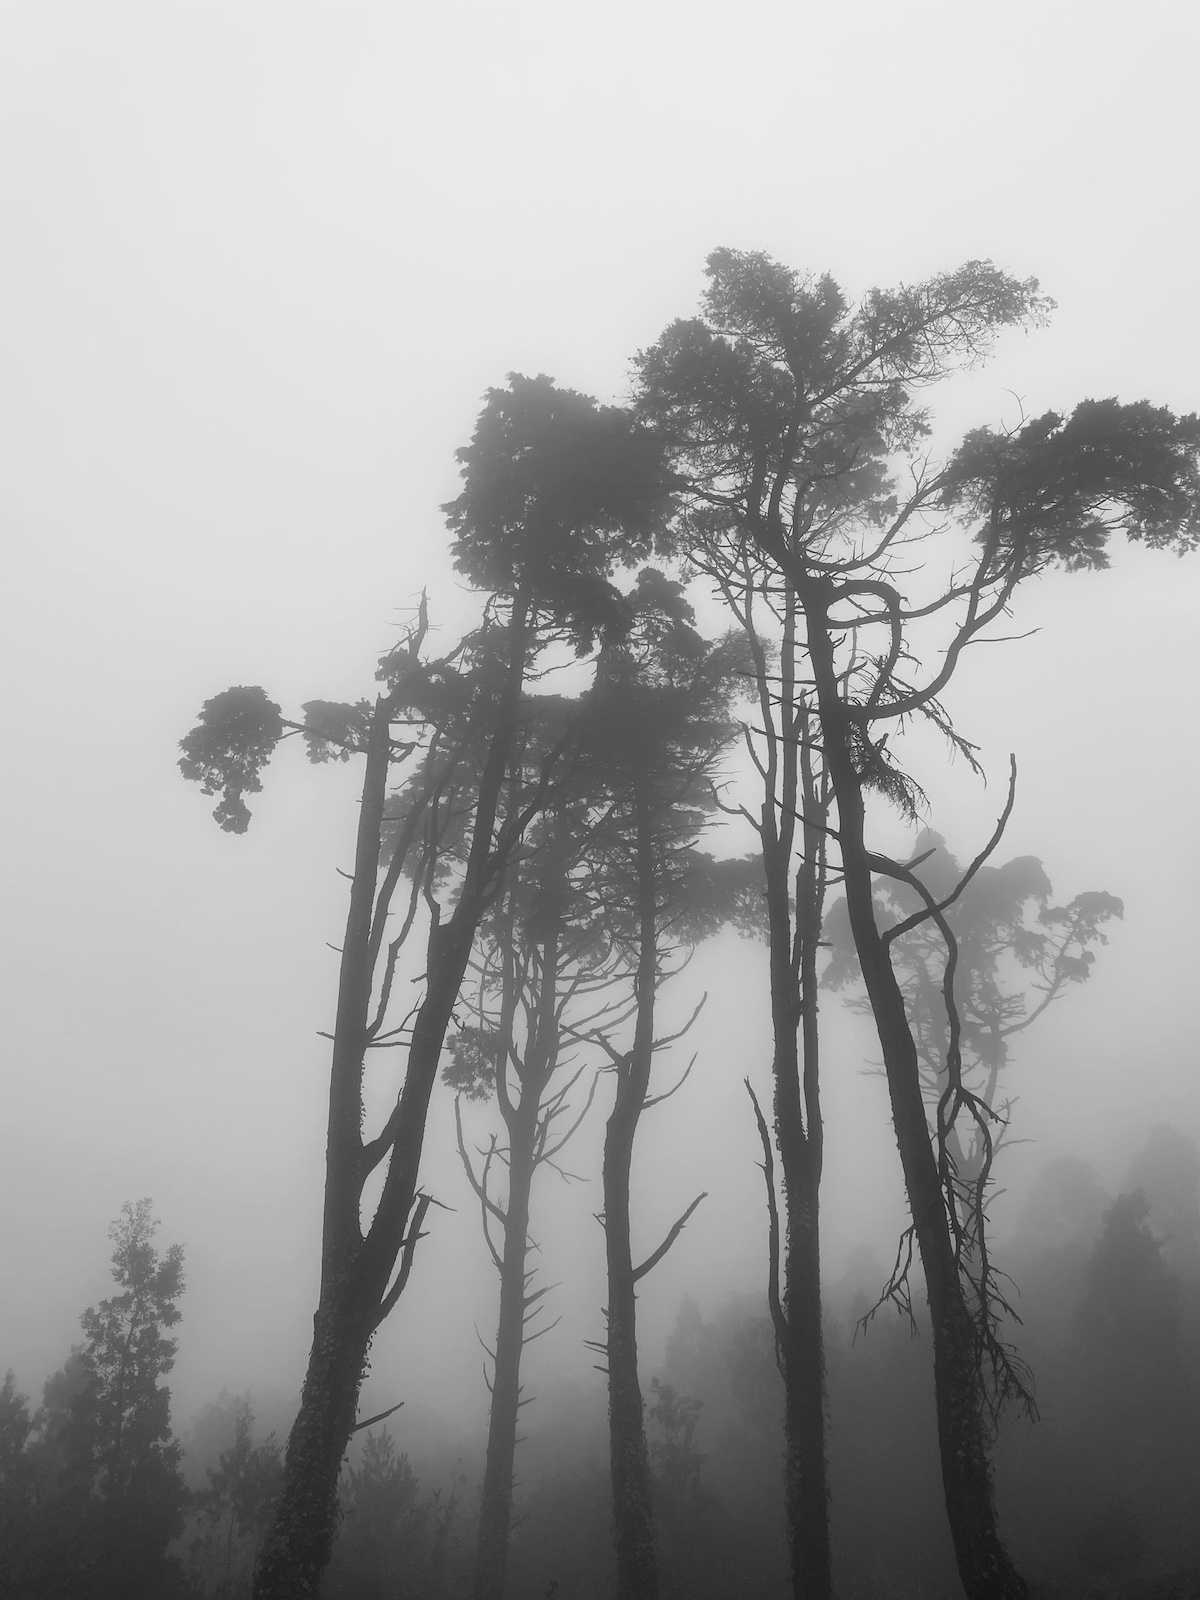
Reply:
x=259, y=263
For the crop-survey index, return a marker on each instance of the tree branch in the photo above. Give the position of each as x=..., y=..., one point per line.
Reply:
x=677, y=1228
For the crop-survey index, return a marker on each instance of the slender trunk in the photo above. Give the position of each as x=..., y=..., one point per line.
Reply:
x=800, y=1337
x=629, y=1455
x=356, y=1271
x=495, y=1512
x=984, y=1566
x=798, y=1130
x=522, y=1121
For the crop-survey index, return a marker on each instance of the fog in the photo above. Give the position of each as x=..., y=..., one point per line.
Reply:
x=261, y=264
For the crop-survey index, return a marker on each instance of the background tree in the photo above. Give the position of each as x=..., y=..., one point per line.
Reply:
x=91, y=1483
x=234, y=1510
x=1016, y=953
x=785, y=407
x=396, y=1541
x=556, y=492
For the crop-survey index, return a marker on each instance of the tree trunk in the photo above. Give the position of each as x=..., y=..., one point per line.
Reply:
x=298, y=1547
x=799, y=1333
x=629, y=1456
x=495, y=1512
x=798, y=1130
x=296, y=1551
x=632, y=1491
x=356, y=1271
x=984, y=1566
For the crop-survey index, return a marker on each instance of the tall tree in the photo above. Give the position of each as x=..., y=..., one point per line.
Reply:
x=557, y=490
x=785, y=407
x=541, y=959
x=658, y=722
x=790, y=823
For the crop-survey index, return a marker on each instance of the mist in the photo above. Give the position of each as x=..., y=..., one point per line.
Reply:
x=263, y=267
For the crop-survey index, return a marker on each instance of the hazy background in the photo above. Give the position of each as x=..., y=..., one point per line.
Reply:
x=259, y=263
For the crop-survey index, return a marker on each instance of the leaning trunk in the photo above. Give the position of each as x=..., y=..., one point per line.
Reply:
x=984, y=1566
x=353, y=1292
x=356, y=1271
x=297, y=1549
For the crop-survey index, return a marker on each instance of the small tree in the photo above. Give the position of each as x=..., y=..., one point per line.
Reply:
x=103, y=1496
x=129, y=1352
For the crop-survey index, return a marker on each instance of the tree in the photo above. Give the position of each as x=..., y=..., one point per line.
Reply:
x=1167, y=1171
x=657, y=724
x=1001, y=952
x=394, y=1543
x=557, y=490
x=95, y=1472
x=235, y=1509
x=1132, y=1394
x=790, y=822
x=539, y=958
x=16, y=1489
x=784, y=408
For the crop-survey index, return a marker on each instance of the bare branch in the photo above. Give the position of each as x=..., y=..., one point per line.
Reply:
x=906, y=875
x=379, y=1416
x=677, y=1228
x=658, y=1099
x=408, y=1250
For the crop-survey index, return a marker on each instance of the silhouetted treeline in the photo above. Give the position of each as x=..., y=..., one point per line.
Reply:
x=1098, y=1497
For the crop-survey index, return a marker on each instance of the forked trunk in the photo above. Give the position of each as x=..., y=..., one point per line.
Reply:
x=355, y=1278
x=356, y=1272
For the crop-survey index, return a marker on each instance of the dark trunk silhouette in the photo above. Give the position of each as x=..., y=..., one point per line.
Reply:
x=963, y=1437
x=632, y=1490
x=793, y=789
x=355, y=1271
x=526, y=1147
x=495, y=1510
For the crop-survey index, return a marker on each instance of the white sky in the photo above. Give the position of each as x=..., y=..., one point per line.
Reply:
x=259, y=261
